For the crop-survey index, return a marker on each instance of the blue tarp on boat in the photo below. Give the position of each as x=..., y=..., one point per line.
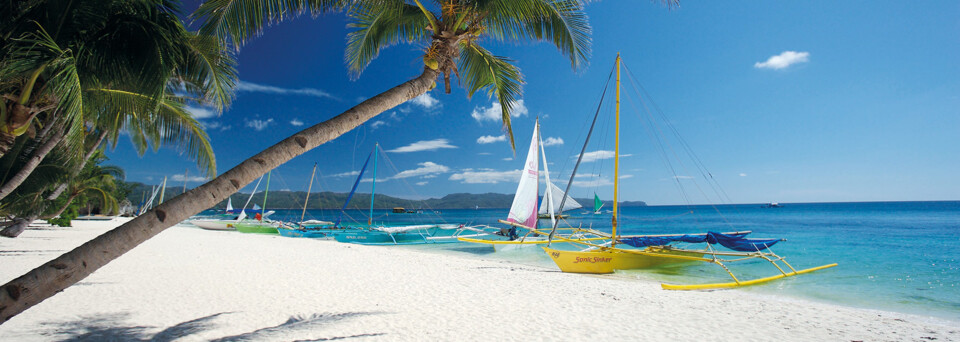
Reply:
x=735, y=242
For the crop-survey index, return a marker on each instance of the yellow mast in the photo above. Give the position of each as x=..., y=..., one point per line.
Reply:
x=616, y=160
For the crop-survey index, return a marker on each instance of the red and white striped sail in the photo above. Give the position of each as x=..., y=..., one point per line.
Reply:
x=524, y=208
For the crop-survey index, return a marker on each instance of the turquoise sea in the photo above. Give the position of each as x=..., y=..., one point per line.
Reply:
x=893, y=256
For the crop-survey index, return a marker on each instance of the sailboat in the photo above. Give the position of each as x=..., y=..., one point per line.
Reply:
x=597, y=204
x=231, y=216
x=321, y=229
x=260, y=224
x=523, y=212
x=654, y=251
x=557, y=196
x=402, y=234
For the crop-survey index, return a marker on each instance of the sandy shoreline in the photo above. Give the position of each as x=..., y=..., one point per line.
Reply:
x=206, y=285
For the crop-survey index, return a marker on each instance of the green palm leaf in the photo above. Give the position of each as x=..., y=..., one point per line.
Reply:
x=480, y=70
x=379, y=26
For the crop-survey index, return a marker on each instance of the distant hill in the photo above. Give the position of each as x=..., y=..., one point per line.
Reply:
x=332, y=200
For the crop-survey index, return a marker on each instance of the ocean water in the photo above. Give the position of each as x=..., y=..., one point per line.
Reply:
x=893, y=256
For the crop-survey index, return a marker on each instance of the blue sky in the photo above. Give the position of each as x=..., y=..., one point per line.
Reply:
x=813, y=101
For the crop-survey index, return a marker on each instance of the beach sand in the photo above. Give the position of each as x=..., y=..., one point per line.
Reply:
x=190, y=284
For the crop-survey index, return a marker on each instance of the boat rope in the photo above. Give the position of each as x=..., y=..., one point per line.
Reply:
x=582, y=151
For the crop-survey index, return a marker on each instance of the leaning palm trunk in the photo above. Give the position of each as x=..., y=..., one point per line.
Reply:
x=63, y=207
x=63, y=186
x=58, y=274
x=31, y=164
x=19, y=225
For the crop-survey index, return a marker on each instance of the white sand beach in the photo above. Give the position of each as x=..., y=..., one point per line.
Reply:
x=189, y=284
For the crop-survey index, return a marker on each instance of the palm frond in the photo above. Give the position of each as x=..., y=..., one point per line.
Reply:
x=209, y=69
x=562, y=22
x=235, y=21
x=380, y=26
x=480, y=69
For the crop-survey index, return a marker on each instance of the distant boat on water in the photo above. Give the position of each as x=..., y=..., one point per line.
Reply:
x=772, y=205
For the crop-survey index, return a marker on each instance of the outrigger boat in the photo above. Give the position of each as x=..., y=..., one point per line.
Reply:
x=524, y=213
x=401, y=234
x=260, y=224
x=653, y=250
x=314, y=228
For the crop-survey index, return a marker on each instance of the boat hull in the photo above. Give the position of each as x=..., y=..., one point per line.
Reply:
x=214, y=224
x=305, y=233
x=609, y=260
x=257, y=228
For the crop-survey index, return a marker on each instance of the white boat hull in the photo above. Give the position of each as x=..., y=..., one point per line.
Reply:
x=214, y=224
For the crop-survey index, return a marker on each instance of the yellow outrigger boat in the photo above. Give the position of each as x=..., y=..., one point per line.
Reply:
x=652, y=251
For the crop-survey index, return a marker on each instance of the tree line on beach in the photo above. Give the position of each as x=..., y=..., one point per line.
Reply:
x=75, y=76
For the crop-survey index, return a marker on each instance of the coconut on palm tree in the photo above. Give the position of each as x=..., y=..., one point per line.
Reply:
x=449, y=31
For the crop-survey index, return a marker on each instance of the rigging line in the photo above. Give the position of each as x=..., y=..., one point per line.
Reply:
x=663, y=118
x=653, y=135
x=683, y=142
x=423, y=203
x=663, y=138
x=701, y=168
x=584, y=149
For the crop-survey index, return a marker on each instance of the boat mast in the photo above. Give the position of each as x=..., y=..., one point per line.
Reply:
x=305, y=200
x=163, y=189
x=374, y=190
x=185, y=171
x=616, y=160
x=263, y=210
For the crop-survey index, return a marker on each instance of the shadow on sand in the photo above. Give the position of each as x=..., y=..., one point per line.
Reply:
x=112, y=328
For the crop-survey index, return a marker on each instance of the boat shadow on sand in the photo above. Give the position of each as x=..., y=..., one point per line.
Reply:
x=111, y=327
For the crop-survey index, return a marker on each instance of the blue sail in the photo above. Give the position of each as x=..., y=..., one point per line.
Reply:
x=735, y=242
x=357, y=182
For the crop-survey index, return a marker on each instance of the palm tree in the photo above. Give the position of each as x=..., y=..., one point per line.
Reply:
x=450, y=37
x=122, y=65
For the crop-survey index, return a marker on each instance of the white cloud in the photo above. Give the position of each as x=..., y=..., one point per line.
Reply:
x=553, y=141
x=626, y=176
x=682, y=177
x=377, y=124
x=425, y=169
x=600, y=155
x=192, y=179
x=422, y=183
x=215, y=125
x=743, y=174
x=485, y=153
x=508, y=158
x=424, y=145
x=425, y=101
x=783, y=60
x=346, y=174
x=495, y=112
x=485, y=176
x=296, y=122
x=259, y=88
x=259, y=125
x=487, y=139
x=200, y=113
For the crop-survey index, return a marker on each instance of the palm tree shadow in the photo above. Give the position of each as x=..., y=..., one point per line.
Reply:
x=301, y=323
x=110, y=328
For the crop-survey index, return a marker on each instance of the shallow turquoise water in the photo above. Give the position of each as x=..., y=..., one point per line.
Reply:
x=896, y=256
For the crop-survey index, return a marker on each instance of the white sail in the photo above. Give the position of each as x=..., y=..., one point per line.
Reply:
x=524, y=208
x=557, y=194
x=229, y=204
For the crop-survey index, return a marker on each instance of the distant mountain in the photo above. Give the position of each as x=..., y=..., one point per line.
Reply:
x=331, y=200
